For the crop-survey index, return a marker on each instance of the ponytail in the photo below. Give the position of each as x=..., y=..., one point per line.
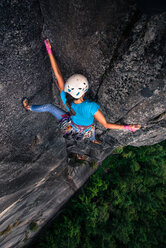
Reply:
x=69, y=100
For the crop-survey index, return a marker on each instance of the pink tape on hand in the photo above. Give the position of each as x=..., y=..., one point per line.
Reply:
x=47, y=47
x=132, y=129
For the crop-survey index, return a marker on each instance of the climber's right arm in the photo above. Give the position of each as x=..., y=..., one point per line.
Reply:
x=55, y=66
x=100, y=118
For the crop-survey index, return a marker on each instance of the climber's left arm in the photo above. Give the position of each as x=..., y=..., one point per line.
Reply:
x=55, y=66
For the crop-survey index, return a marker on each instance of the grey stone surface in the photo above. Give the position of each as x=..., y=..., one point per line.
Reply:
x=121, y=51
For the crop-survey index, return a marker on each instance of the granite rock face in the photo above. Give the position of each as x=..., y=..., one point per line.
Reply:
x=120, y=50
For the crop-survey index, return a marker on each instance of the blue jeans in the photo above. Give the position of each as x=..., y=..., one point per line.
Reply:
x=57, y=112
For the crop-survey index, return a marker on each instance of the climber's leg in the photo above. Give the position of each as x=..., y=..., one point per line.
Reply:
x=93, y=139
x=93, y=134
x=54, y=110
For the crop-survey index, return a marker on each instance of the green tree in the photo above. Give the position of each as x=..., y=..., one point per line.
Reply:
x=122, y=205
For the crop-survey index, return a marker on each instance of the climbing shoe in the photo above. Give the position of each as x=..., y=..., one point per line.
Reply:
x=25, y=103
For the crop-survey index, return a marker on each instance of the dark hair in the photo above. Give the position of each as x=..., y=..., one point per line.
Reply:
x=69, y=100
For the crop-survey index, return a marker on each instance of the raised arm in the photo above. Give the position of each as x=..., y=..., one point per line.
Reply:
x=54, y=66
x=100, y=118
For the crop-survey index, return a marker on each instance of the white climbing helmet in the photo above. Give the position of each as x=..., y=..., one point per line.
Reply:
x=76, y=85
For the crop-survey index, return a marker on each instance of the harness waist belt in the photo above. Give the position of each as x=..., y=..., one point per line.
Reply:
x=80, y=127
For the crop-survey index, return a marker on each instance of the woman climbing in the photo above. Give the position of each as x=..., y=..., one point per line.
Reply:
x=81, y=112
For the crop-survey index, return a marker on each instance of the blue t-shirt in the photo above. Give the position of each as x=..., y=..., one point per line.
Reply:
x=84, y=111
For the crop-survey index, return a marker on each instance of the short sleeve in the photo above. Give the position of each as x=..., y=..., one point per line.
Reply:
x=94, y=108
x=63, y=97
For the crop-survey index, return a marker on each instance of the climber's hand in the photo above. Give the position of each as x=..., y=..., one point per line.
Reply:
x=132, y=128
x=48, y=46
x=48, y=43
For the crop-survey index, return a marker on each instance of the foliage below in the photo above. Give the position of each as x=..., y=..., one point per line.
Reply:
x=121, y=206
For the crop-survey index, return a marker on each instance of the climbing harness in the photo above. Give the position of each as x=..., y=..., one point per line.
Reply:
x=71, y=130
